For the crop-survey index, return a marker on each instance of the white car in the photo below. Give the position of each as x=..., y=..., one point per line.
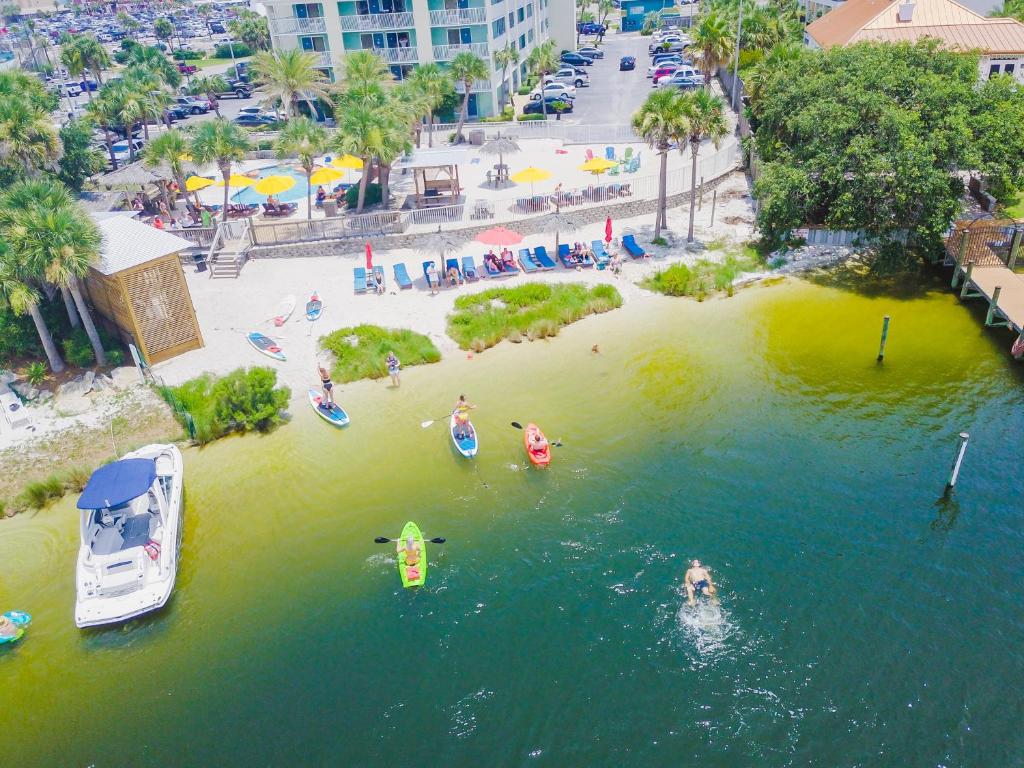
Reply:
x=121, y=150
x=684, y=77
x=591, y=51
x=555, y=91
x=578, y=79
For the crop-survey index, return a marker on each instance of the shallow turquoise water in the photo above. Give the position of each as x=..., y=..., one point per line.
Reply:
x=867, y=622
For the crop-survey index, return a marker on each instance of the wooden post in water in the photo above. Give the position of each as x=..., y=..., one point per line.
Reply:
x=993, y=305
x=885, y=338
x=958, y=459
x=967, y=280
x=714, y=199
x=1011, y=262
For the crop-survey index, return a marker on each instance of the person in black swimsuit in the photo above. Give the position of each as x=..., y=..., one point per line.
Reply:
x=325, y=382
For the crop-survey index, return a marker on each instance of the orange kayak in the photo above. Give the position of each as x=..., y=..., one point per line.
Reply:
x=539, y=458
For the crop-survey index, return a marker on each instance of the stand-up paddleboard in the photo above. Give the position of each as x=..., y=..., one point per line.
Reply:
x=266, y=345
x=466, y=446
x=314, y=307
x=335, y=414
x=20, y=620
x=412, y=575
x=284, y=310
x=537, y=458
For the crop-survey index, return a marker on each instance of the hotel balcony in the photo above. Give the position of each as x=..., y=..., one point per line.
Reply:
x=323, y=58
x=447, y=52
x=375, y=22
x=458, y=17
x=292, y=25
x=479, y=86
x=396, y=55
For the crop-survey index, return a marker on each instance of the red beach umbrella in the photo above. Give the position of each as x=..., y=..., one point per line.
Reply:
x=499, y=236
x=369, y=258
x=608, y=230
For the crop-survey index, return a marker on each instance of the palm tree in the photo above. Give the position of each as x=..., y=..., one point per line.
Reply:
x=71, y=58
x=505, y=58
x=661, y=121
x=543, y=60
x=713, y=38
x=289, y=77
x=218, y=141
x=210, y=87
x=52, y=237
x=361, y=129
x=28, y=139
x=152, y=58
x=705, y=119
x=94, y=56
x=466, y=68
x=780, y=55
x=395, y=141
x=164, y=30
x=169, y=150
x=306, y=140
x=604, y=9
x=434, y=83
x=24, y=299
x=413, y=105
x=105, y=112
x=362, y=72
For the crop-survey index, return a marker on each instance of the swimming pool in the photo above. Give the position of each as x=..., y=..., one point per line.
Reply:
x=298, y=192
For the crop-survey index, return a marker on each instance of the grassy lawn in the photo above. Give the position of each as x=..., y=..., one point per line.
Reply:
x=705, y=277
x=360, y=352
x=206, y=63
x=533, y=310
x=1015, y=210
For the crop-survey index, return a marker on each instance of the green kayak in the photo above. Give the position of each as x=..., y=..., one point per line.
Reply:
x=412, y=575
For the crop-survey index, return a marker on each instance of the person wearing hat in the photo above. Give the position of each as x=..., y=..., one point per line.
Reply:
x=8, y=628
x=697, y=582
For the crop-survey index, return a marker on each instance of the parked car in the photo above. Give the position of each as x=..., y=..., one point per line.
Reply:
x=72, y=89
x=177, y=113
x=591, y=51
x=187, y=69
x=555, y=90
x=254, y=121
x=217, y=27
x=535, y=108
x=88, y=85
x=122, y=152
x=674, y=61
x=668, y=46
x=666, y=70
x=569, y=75
x=590, y=28
x=194, y=105
x=666, y=58
x=259, y=111
x=238, y=89
x=627, y=64
x=576, y=60
x=684, y=77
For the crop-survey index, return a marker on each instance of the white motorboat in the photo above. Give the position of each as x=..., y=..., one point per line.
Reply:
x=131, y=536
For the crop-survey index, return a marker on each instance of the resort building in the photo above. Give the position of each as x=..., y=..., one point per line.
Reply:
x=815, y=9
x=406, y=33
x=634, y=11
x=999, y=41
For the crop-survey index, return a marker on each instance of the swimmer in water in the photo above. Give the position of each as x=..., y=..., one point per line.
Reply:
x=697, y=582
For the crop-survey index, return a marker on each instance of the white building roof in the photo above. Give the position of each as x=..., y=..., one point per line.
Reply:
x=128, y=243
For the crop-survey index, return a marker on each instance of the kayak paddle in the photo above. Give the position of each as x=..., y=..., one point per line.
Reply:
x=556, y=443
x=386, y=540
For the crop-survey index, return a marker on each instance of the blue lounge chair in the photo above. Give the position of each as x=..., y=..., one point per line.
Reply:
x=526, y=261
x=427, y=277
x=360, y=279
x=563, y=255
x=634, y=250
x=491, y=272
x=469, y=268
x=510, y=269
x=453, y=264
x=600, y=253
x=383, y=281
x=540, y=253
x=402, y=276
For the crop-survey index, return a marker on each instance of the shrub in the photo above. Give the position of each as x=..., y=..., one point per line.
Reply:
x=76, y=479
x=40, y=493
x=265, y=145
x=18, y=337
x=77, y=349
x=223, y=51
x=524, y=90
x=527, y=118
x=705, y=277
x=373, y=195
x=35, y=373
x=181, y=55
x=115, y=357
x=360, y=352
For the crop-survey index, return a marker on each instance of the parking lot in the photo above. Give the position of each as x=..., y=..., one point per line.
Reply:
x=613, y=96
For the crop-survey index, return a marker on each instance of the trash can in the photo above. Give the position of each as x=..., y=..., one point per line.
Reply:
x=476, y=137
x=330, y=207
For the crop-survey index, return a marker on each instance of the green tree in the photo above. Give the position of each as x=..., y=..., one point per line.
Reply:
x=218, y=141
x=306, y=140
x=17, y=84
x=466, y=68
x=542, y=61
x=28, y=140
x=289, y=76
x=705, y=119
x=164, y=30
x=361, y=129
x=505, y=58
x=252, y=29
x=652, y=21
x=151, y=58
x=434, y=83
x=105, y=112
x=94, y=56
x=714, y=41
x=662, y=121
x=211, y=87
x=250, y=399
x=169, y=152
x=128, y=23
x=80, y=159
x=17, y=289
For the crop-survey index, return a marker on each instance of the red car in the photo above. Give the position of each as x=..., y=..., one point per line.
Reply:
x=187, y=69
x=668, y=69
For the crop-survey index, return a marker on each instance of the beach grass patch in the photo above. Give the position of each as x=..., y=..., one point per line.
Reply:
x=39, y=494
x=361, y=352
x=705, y=277
x=532, y=310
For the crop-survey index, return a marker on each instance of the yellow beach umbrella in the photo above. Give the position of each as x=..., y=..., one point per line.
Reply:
x=236, y=180
x=271, y=185
x=530, y=175
x=348, y=161
x=195, y=183
x=597, y=165
x=325, y=176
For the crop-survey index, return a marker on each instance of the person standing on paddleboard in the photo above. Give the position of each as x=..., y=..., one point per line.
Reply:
x=394, y=366
x=325, y=383
x=461, y=411
x=697, y=582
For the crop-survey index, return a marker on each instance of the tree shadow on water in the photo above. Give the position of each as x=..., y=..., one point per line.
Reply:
x=858, y=276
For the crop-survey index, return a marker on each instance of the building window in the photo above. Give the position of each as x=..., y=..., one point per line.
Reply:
x=373, y=40
x=308, y=11
x=993, y=70
x=520, y=15
x=529, y=10
x=459, y=36
x=529, y=35
x=522, y=41
x=317, y=43
x=498, y=27
x=1008, y=69
x=511, y=20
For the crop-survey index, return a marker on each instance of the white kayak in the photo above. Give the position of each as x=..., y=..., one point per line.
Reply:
x=284, y=310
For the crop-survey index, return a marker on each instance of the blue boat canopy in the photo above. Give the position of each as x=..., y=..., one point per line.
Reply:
x=117, y=483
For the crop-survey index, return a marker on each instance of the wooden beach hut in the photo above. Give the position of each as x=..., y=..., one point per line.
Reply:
x=436, y=175
x=139, y=288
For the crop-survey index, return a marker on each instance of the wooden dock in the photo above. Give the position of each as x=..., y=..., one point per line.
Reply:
x=984, y=255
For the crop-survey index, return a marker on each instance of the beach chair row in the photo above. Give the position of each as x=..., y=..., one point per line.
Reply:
x=529, y=261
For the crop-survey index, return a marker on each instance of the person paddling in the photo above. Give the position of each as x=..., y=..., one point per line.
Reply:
x=411, y=550
x=697, y=582
x=325, y=382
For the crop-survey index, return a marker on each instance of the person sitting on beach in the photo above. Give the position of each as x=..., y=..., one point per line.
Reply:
x=175, y=224
x=453, y=276
x=378, y=281
x=137, y=204
x=325, y=382
x=697, y=582
x=272, y=203
x=411, y=550
x=508, y=260
x=463, y=430
x=492, y=262
x=321, y=195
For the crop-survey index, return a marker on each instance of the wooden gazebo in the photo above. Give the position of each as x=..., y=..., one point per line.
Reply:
x=436, y=175
x=139, y=288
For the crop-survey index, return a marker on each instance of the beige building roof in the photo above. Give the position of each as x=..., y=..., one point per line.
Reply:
x=128, y=243
x=954, y=25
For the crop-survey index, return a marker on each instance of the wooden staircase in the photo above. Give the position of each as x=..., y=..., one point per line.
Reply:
x=227, y=251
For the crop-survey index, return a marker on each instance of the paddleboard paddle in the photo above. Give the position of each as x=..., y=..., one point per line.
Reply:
x=386, y=540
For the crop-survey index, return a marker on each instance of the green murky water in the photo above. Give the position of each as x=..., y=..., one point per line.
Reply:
x=865, y=621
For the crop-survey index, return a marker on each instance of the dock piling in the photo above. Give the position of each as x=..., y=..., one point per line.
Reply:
x=967, y=280
x=993, y=305
x=885, y=338
x=958, y=459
